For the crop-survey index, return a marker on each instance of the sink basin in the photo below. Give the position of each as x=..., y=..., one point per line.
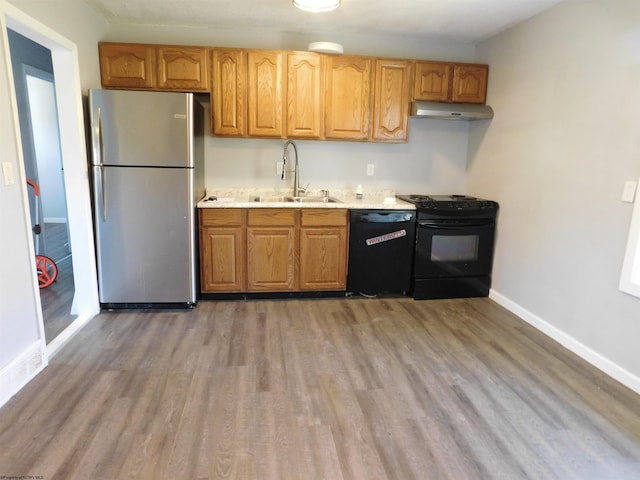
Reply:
x=288, y=199
x=315, y=199
x=272, y=199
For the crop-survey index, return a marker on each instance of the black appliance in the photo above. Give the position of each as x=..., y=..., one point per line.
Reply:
x=381, y=251
x=454, y=245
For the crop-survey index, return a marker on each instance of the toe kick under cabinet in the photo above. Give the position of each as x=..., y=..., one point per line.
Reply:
x=273, y=249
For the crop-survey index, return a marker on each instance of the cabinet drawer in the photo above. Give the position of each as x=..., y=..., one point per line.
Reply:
x=324, y=217
x=225, y=217
x=271, y=217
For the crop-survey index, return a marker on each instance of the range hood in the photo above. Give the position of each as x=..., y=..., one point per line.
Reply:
x=451, y=111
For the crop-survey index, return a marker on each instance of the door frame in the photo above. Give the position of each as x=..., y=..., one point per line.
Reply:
x=66, y=71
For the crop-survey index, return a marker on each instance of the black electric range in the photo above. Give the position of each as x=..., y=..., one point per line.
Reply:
x=454, y=245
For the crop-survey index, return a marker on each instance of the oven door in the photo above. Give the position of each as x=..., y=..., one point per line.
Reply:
x=454, y=248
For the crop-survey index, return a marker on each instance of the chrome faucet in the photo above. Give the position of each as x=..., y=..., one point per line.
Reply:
x=297, y=191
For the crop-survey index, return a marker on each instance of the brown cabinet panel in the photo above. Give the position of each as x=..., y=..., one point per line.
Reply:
x=222, y=217
x=228, y=95
x=268, y=217
x=391, y=100
x=271, y=259
x=348, y=97
x=222, y=250
x=432, y=81
x=470, y=83
x=125, y=65
x=183, y=68
x=314, y=217
x=305, y=75
x=323, y=258
x=222, y=258
x=265, y=93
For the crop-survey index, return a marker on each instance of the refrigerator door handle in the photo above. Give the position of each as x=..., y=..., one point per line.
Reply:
x=98, y=151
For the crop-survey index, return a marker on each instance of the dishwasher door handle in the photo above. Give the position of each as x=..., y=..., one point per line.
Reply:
x=383, y=217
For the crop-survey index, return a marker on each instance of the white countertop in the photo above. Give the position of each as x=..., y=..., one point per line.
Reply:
x=244, y=198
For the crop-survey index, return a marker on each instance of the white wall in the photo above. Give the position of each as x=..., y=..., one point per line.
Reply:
x=19, y=321
x=565, y=87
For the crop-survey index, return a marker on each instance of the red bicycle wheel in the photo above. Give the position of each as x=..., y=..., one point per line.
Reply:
x=47, y=271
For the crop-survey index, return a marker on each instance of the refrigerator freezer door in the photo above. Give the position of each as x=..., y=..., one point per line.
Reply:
x=146, y=241
x=141, y=128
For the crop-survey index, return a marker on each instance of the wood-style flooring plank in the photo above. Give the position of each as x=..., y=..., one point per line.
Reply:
x=336, y=389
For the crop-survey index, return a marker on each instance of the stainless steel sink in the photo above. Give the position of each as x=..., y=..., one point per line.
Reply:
x=289, y=199
x=319, y=199
x=272, y=199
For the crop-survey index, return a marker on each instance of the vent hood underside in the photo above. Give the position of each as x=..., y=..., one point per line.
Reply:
x=451, y=111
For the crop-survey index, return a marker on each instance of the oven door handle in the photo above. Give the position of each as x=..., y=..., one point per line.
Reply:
x=454, y=226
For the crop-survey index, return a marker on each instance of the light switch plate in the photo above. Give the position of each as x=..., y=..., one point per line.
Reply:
x=370, y=170
x=629, y=192
x=7, y=172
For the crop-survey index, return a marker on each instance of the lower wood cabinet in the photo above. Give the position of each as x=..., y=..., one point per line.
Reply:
x=273, y=249
x=323, y=249
x=222, y=247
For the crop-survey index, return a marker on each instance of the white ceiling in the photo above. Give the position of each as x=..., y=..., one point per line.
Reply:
x=460, y=20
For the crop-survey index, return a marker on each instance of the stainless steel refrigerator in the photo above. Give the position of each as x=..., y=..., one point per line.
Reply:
x=147, y=173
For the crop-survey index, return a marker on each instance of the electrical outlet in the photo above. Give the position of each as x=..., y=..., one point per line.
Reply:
x=279, y=167
x=370, y=170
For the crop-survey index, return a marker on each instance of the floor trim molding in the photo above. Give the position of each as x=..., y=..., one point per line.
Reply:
x=22, y=369
x=594, y=358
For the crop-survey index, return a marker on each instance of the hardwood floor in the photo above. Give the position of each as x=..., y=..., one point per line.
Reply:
x=56, y=299
x=337, y=389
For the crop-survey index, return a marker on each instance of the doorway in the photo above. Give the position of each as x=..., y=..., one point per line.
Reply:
x=53, y=239
x=64, y=68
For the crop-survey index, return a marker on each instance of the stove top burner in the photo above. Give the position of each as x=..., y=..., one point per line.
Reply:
x=449, y=203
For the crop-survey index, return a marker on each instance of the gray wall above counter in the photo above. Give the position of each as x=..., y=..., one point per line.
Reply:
x=434, y=160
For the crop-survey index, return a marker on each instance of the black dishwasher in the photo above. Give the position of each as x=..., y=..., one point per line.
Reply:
x=381, y=245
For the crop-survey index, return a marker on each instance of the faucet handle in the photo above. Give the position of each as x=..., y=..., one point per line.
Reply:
x=303, y=189
x=325, y=193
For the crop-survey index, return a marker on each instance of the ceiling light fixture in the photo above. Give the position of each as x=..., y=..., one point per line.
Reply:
x=317, y=5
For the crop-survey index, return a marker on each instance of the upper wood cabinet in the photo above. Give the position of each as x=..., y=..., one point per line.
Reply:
x=347, y=97
x=391, y=100
x=157, y=67
x=450, y=82
x=183, y=68
x=432, y=81
x=265, y=93
x=470, y=83
x=126, y=65
x=305, y=77
x=228, y=97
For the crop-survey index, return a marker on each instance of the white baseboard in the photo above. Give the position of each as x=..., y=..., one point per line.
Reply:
x=22, y=370
x=594, y=358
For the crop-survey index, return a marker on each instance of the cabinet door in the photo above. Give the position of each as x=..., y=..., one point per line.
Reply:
x=323, y=258
x=124, y=65
x=305, y=74
x=228, y=101
x=431, y=81
x=470, y=83
x=271, y=259
x=265, y=93
x=222, y=250
x=222, y=259
x=183, y=68
x=348, y=97
x=391, y=100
